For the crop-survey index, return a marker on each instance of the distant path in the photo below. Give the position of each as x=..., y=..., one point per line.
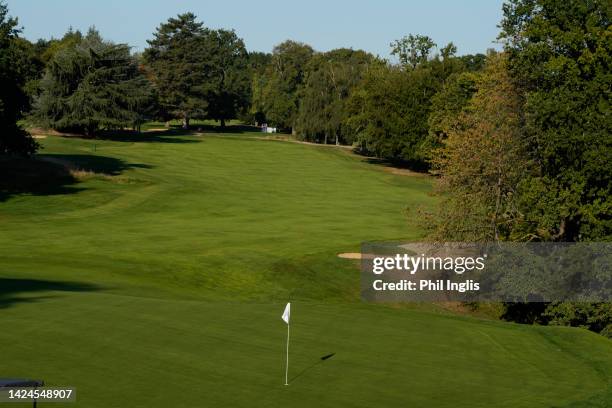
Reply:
x=398, y=171
x=290, y=139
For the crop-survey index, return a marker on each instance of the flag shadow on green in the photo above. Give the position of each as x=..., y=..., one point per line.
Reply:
x=310, y=367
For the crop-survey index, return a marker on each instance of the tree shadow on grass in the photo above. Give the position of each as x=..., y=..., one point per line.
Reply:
x=34, y=176
x=227, y=129
x=13, y=291
x=415, y=166
x=97, y=164
x=52, y=174
x=205, y=128
x=170, y=135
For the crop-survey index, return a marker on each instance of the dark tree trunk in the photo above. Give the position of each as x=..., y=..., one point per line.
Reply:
x=90, y=130
x=223, y=124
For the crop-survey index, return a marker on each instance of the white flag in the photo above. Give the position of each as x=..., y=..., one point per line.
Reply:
x=287, y=313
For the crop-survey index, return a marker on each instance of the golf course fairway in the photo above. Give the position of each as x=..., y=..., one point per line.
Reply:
x=154, y=274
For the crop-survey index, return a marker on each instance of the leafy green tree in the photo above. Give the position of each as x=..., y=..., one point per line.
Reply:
x=475, y=62
x=483, y=157
x=596, y=317
x=331, y=76
x=276, y=91
x=388, y=111
x=31, y=67
x=555, y=183
x=179, y=65
x=413, y=50
x=457, y=90
x=93, y=85
x=40, y=53
x=258, y=63
x=230, y=75
x=13, y=98
x=446, y=105
x=198, y=72
x=560, y=55
x=48, y=49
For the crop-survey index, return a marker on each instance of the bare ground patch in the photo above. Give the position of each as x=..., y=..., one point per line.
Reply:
x=41, y=133
x=404, y=172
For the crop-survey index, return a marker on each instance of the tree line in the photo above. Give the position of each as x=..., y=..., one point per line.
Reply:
x=83, y=83
x=525, y=144
x=519, y=140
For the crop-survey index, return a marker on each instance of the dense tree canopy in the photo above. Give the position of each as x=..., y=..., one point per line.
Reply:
x=413, y=50
x=48, y=49
x=258, y=63
x=93, y=85
x=230, y=76
x=483, y=155
x=385, y=113
x=14, y=66
x=388, y=112
x=41, y=53
x=558, y=63
x=198, y=72
x=455, y=94
x=560, y=57
x=178, y=62
x=527, y=143
x=331, y=76
x=276, y=91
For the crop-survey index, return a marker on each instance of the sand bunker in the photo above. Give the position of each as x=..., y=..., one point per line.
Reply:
x=350, y=255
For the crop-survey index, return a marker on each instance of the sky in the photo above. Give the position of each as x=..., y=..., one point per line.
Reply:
x=324, y=24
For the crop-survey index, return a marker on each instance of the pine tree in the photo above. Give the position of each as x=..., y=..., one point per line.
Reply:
x=179, y=67
x=92, y=85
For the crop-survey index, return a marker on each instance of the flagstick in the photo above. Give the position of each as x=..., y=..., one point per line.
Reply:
x=287, y=365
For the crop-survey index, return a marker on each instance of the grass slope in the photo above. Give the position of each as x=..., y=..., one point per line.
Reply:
x=160, y=284
x=242, y=217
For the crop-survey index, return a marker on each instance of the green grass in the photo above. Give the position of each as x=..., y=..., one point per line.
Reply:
x=157, y=275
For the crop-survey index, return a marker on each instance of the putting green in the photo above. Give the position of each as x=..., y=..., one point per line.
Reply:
x=161, y=284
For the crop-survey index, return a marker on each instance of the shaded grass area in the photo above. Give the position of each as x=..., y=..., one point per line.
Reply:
x=54, y=174
x=169, y=135
x=38, y=177
x=232, y=126
x=167, y=291
x=14, y=291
